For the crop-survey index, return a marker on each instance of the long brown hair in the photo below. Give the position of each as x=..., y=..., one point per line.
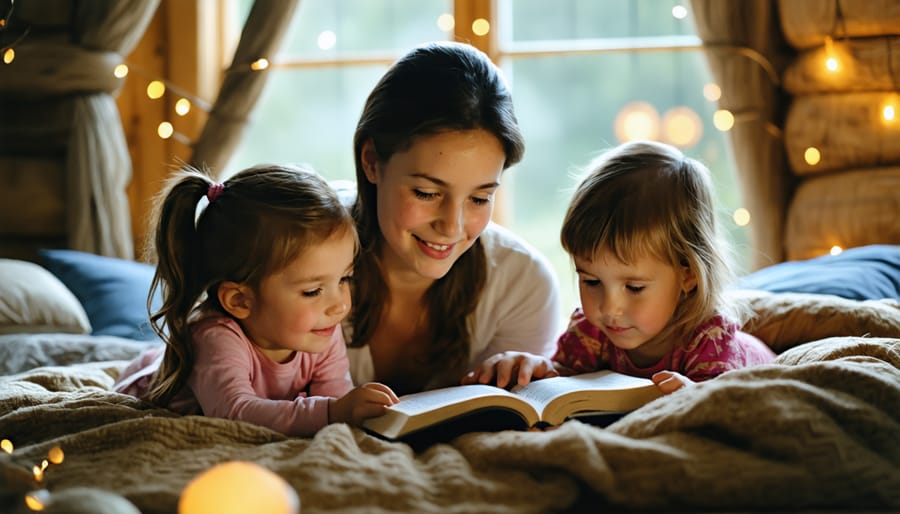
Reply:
x=434, y=88
x=262, y=219
x=648, y=199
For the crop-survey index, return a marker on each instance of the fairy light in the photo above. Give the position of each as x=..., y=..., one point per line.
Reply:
x=888, y=112
x=679, y=12
x=741, y=217
x=259, y=64
x=37, y=500
x=812, y=156
x=7, y=446
x=121, y=71
x=637, y=120
x=446, y=22
x=723, y=120
x=712, y=92
x=9, y=56
x=156, y=89
x=836, y=250
x=326, y=39
x=682, y=127
x=831, y=61
x=56, y=455
x=182, y=106
x=165, y=130
x=481, y=27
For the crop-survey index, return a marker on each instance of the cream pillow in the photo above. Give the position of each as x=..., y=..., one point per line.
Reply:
x=33, y=300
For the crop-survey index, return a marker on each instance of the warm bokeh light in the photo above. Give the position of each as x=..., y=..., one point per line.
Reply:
x=9, y=56
x=812, y=156
x=37, y=500
x=182, y=106
x=446, y=22
x=156, y=89
x=121, y=71
x=165, y=130
x=888, y=113
x=712, y=92
x=723, y=120
x=238, y=488
x=56, y=455
x=259, y=64
x=326, y=39
x=637, y=120
x=481, y=27
x=831, y=60
x=741, y=217
x=6, y=445
x=836, y=250
x=679, y=11
x=682, y=127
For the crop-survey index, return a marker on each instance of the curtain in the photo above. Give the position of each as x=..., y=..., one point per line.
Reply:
x=80, y=68
x=746, y=53
x=263, y=32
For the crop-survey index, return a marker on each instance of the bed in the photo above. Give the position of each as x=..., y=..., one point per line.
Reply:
x=817, y=430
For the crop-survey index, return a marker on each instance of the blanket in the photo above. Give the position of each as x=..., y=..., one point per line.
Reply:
x=819, y=429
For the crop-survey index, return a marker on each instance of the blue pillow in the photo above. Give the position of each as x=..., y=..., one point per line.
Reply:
x=863, y=273
x=112, y=291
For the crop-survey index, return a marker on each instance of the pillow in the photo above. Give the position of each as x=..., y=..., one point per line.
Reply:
x=33, y=300
x=864, y=273
x=112, y=291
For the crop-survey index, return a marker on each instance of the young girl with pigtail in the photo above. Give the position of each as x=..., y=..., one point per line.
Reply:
x=254, y=290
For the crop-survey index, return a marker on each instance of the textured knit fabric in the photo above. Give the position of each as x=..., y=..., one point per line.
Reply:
x=232, y=379
x=715, y=347
x=519, y=308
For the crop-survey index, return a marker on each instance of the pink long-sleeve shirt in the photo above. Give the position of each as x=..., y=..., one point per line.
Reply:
x=232, y=379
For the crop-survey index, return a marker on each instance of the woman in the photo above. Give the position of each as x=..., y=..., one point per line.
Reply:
x=439, y=287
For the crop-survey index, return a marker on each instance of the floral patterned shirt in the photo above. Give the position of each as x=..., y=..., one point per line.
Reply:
x=714, y=348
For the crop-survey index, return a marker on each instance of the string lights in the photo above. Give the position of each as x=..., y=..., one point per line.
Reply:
x=38, y=499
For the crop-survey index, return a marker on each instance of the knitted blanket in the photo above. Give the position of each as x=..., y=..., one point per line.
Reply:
x=818, y=429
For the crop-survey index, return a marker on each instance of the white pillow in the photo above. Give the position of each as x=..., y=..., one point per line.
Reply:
x=33, y=300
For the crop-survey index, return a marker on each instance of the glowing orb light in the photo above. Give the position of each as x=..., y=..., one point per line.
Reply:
x=238, y=487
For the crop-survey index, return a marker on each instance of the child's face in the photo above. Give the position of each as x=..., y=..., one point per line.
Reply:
x=631, y=303
x=435, y=198
x=300, y=307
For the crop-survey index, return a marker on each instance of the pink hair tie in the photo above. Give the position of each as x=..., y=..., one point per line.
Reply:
x=214, y=191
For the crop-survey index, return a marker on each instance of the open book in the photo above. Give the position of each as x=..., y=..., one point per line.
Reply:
x=545, y=402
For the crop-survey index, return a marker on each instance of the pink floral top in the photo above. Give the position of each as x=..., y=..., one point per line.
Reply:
x=714, y=348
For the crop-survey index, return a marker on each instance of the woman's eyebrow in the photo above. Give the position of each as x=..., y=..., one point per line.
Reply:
x=438, y=182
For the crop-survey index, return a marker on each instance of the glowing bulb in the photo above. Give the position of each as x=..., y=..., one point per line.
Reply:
x=888, y=113
x=682, y=127
x=238, y=487
x=165, y=130
x=326, y=39
x=9, y=56
x=56, y=455
x=741, y=217
x=679, y=12
x=446, y=22
x=480, y=27
x=37, y=500
x=712, y=92
x=259, y=64
x=156, y=89
x=2, y=22
x=121, y=71
x=831, y=61
x=6, y=445
x=723, y=120
x=812, y=156
x=637, y=120
x=182, y=106
x=836, y=250
x=38, y=473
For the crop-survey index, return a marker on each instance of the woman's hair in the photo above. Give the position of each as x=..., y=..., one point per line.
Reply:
x=434, y=88
x=254, y=224
x=648, y=199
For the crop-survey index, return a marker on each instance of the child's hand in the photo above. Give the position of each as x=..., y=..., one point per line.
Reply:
x=669, y=381
x=503, y=366
x=366, y=401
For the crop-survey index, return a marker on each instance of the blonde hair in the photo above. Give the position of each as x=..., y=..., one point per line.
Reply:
x=648, y=199
x=255, y=224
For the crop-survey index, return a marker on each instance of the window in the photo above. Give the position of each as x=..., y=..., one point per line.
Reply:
x=582, y=72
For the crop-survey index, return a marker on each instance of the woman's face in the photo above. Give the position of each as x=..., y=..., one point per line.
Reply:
x=434, y=199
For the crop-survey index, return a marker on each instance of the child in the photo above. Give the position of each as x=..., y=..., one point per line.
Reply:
x=642, y=233
x=254, y=291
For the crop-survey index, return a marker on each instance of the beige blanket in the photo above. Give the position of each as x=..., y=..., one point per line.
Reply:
x=819, y=429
